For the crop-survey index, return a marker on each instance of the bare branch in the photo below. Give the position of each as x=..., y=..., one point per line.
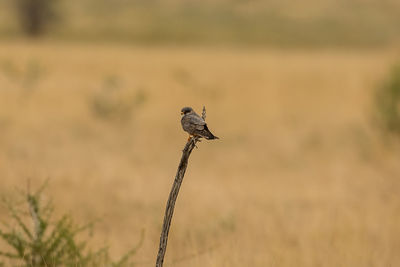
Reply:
x=203, y=114
x=190, y=145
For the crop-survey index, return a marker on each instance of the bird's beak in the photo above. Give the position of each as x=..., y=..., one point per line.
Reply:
x=181, y=112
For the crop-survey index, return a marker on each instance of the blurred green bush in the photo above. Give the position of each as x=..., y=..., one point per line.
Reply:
x=114, y=103
x=388, y=102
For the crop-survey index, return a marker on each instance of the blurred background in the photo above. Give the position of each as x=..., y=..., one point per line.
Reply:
x=305, y=96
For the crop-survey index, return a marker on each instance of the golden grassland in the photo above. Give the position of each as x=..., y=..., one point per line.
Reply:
x=298, y=178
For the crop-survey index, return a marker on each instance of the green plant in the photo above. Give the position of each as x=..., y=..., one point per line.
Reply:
x=388, y=102
x=35, y=240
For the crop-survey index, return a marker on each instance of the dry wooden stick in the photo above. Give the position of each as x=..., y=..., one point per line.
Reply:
x=169, y=211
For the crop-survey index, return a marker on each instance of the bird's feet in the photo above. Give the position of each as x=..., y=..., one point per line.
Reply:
x=195, y=139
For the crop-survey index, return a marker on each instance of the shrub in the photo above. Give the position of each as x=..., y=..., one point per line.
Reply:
x=35, y=240
x=388, y=102
x=113, y=103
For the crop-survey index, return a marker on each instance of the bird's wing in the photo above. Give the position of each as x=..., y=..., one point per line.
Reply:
x=187, y=124
x=205, y=132
x=196, y=121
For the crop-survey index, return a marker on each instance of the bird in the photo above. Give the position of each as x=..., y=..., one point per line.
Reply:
x=195, y=125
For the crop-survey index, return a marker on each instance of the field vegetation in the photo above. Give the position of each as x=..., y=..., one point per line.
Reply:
x=303, y=96
x=300, y=177
x=309, y=23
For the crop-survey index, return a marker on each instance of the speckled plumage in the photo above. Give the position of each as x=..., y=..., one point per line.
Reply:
x=194, y=124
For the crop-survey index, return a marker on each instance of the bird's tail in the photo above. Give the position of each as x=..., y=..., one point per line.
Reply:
x=208, y=134
x=211, y=137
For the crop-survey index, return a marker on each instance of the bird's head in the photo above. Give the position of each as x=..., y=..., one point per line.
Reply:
x=186, y=110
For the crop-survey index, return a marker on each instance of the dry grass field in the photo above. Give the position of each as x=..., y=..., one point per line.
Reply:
x=299, y=177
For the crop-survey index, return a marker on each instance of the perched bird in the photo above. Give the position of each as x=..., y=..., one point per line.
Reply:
x=195, y=125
